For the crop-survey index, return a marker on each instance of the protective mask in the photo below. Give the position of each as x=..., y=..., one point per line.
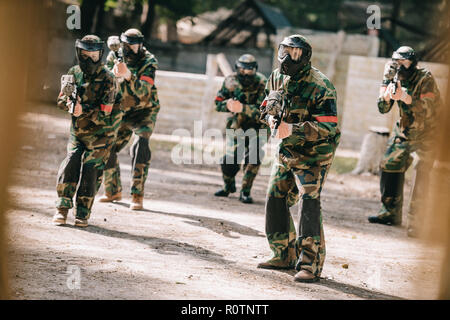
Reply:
x=88, y=66
x=245, y=79
x=131, y=58
x=290, y=67
x=405, y=73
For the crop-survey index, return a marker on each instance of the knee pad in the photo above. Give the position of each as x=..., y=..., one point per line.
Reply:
x=140, y=150
x=70, y=169
x=230, y=169
x=309, y=225
x=88, y=183
x=277, y=215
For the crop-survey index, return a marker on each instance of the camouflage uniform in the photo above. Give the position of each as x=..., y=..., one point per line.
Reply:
x=412, y=133
x=90, y=141
x=248, y=143
x=116, y=118
x=140, y=105
x=306, y=155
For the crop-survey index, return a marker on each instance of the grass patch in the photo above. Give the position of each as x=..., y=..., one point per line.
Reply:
x=342, y=165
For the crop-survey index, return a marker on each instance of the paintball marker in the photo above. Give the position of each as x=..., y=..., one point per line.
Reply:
x=114, y=45
x=234, y=87
x=395, y=79
x=391, y=72
x=276, y=100
x=69, y=88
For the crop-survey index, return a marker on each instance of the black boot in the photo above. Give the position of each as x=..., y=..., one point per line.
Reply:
x=391, y=188
x=245, y=197
x=221, y=193
x=225, y=193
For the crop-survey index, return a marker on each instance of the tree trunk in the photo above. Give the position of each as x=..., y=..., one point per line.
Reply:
x=88, y=10
x=147, y=26
x=172, y=32
x=100, y=14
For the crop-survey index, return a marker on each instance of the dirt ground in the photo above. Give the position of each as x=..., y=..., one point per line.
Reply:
x=187, y=244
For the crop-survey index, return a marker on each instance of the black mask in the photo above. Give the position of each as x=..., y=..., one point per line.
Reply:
x=405, y=73
x=131, y=58
x=245, y=79
x=88, y=66
x=290, y=67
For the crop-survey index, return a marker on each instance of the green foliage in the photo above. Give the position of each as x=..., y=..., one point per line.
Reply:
x=343, y=165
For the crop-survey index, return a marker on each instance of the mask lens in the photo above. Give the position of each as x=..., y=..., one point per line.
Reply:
x=130, y=47
x=295, y=53
x=93, y=55
x=247, y=72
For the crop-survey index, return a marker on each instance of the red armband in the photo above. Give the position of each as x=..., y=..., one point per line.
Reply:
x=106, y=108
x=147, y=79
x=333, y=119
x=427, y=95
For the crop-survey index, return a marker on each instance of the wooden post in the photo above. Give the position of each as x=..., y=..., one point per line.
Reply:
x=223, y=64
x=208, y=96
x=18, y=20
x=331, y=68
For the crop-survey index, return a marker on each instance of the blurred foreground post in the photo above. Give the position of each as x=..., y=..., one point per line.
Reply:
x=436, y=207
x=18, y=19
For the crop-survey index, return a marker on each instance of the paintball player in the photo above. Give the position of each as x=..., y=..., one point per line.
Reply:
x=90, y=135
x=241, y=95
x=418, y=99
x=114, y=56
x=309, y=137
x=140, y=105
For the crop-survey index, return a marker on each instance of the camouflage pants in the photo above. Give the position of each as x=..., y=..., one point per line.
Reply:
x=247, y=148
x=307, y=250
x=141, y=123
x=394, y=164
x=116, y=119
x=86, y=155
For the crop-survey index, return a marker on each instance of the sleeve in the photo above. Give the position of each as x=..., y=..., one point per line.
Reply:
x=383, y=106
x=108, y=96
x=142, y=84
x=429, y=102
x=262, y=107
x=324, y=121
x=252, y=110
x=153, y=115
x=61, y=102
x=221, y=99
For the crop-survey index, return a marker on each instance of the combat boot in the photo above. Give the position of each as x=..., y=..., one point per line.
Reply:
x=275, y=263
x=391, y=188
x=387, y=220
x=137, y=202
x=226, y=191
x=60, y=216
x=245, y=197
x=305, y=276
x=111, y=197
x=80, y=222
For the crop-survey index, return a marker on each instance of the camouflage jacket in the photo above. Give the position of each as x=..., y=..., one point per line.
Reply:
x=417, y=120
x=110, y=60
x=311, y=109
x=97, y=94
x=251, y=98
x=140, y=92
